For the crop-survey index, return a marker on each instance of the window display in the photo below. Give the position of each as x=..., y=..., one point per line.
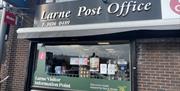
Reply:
x=86, y=64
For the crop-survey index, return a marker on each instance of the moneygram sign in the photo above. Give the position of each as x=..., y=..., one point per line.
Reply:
x=170, y=9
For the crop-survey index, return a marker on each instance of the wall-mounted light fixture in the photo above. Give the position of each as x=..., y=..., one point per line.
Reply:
x=105, y=1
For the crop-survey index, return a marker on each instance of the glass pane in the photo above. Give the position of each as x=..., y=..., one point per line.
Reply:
x=90, y=65
x=87, y=60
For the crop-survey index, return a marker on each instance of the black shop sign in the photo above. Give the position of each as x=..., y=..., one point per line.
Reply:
x=96, y=11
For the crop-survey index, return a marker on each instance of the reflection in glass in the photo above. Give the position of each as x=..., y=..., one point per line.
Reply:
x=95, y=61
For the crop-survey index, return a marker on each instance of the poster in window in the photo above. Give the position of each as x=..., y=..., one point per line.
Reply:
x=94, y=64
x=58, y=69
x=78, y=61
x=103, y=68
x=74, y=61
x=111, y=69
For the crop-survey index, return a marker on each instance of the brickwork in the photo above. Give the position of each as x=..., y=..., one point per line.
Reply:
x=158, y=64
x=15, y=64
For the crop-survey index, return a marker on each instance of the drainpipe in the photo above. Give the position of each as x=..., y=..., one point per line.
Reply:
x=3, y=27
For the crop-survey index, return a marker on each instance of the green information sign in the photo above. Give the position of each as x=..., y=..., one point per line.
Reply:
x=42, y=79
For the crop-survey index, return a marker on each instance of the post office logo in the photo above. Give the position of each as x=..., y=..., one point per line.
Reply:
x=175, y=6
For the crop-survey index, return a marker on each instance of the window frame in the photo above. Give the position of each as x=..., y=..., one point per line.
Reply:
x=32, y=56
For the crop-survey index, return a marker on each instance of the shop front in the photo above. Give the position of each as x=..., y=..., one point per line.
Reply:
x=83, y=66
x=91, y=45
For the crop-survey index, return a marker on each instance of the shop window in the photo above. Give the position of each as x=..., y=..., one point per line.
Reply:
x=83, y=63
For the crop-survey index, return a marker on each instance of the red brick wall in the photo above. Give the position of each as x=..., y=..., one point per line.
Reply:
x=15, y=63
x=158, y=64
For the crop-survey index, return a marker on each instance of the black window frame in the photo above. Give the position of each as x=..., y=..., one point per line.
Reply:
x=32, y=64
